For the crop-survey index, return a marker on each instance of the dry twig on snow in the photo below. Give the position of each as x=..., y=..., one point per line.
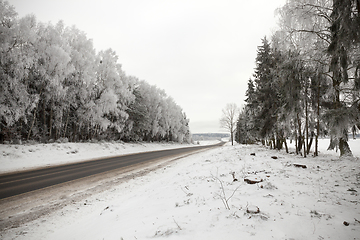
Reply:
x=222, y=195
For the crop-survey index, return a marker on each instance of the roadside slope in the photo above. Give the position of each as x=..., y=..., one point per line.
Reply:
x=185, y=200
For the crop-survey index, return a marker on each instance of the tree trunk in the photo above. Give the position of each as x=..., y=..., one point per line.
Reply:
x=34, y=118
x=32, y=125
x=232, y=138
x=316, y=153
x=306, y=119
x=333, y=144
x=274, y=143
x=45, y=131
x=354, y=132
x=286, y=146
x=344, y=148
x=66, y=124
x=296, y=142
x=310, y=143
x=300, y=138
x=317, y=123
x=50, y=121
x=278, y=144
x=304, y=149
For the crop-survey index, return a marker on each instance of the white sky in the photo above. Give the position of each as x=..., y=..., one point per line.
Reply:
x=201, y=52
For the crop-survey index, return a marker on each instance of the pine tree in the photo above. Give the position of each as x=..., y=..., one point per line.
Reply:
x=249, y=112
x=266, y=92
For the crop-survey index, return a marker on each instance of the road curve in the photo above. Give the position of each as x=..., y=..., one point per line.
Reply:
x=26, y=181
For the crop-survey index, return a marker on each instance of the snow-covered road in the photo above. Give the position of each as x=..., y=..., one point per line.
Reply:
x=30, y=156
x=26, y=181
x=185, y=200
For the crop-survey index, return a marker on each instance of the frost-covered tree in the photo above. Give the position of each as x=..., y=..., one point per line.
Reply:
x=79, y=84
x=17, y=58
x=112, y=93
x=304, y=33
x=307, y=80
x=47, y=80
x=54, y=85
x=326, y=33
x=154, y=116
x=229, y=118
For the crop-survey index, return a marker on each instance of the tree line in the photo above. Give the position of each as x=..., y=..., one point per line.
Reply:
x=55, y=85
x=306, y=83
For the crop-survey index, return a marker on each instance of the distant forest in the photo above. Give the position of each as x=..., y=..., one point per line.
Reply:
x=209, y=136
x=55, y=86
x=306, y=82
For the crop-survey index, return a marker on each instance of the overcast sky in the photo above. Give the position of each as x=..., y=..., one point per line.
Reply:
x=201, y=52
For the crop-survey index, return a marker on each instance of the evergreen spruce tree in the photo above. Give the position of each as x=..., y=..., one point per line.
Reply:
x=266, y=92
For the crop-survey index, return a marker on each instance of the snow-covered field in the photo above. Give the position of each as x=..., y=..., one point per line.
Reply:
x=187, y=200
x=24, y=157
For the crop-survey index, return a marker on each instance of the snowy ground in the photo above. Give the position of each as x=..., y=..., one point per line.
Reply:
x=24, y=157
x=185, y=200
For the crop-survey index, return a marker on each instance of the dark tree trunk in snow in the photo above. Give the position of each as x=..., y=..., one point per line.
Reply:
x=300, y=143
x=333, y=144
x=300, y=137
x=310, y=143
x=316, y=153
x=344, y=148
x=286, y=146
x=306, y=121
x=317, y=123
x=296, y=143
x=304, y=147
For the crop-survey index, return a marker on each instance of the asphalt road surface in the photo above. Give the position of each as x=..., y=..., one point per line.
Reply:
x=22, y=182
